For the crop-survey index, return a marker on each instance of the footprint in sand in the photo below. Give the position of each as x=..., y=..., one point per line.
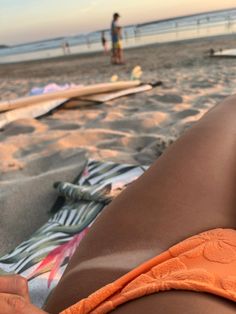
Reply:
x=186, y=113
x=169, y=98
x=64, y=126
x=23, y=126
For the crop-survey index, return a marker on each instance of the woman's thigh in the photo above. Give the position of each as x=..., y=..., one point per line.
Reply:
x=178, y=302
x=189, y=189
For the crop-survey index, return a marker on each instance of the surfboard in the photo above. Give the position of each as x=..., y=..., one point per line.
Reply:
x=104, y=97
x=66, y=94
x=230, y=53
x=34, y=111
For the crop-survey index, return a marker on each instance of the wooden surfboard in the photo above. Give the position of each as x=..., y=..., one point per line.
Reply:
x=66, y=94
x=104, y=97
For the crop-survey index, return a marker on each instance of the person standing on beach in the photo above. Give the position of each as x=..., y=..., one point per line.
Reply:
x=104, y=42
x=117, y=51
x=66, y=48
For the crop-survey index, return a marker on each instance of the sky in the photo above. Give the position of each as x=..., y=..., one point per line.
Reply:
x=31, y=20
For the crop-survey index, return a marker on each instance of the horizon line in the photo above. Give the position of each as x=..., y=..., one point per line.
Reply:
x=128, y=25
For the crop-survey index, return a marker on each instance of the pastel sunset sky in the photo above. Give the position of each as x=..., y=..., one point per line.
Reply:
x=32, y=20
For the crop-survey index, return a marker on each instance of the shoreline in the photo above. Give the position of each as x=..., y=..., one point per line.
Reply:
x=98, y=53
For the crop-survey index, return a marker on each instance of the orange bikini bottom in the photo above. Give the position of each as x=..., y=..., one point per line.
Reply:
x=204, y=263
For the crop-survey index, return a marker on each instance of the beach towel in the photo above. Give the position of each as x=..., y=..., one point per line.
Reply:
x=52, y=87
x=43, y=258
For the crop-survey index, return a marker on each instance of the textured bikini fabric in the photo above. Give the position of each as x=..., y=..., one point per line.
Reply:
x=204, y=263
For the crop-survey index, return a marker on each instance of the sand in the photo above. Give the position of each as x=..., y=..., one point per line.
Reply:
x=133, y=129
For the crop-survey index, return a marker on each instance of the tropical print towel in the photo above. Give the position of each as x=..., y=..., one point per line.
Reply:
x=43, y=258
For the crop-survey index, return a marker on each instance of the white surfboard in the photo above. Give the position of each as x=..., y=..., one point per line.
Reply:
x=225, y=53
x=33, y=111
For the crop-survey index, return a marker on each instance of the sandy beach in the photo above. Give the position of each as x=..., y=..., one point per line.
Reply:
x=134, y=129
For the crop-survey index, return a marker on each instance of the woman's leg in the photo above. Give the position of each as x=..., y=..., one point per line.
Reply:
x=189, y=189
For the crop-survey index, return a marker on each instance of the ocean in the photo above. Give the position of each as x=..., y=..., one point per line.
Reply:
x=176, y=29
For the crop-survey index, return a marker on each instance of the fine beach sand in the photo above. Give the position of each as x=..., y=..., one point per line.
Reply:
x=134, y=129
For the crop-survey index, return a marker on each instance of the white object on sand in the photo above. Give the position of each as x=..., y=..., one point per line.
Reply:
x=110, y=96
x=33, y=111
x=136, y=73
x=225, y=53
x=65, y=94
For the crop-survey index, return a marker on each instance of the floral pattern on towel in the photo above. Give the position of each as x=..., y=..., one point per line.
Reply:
x=43, y=258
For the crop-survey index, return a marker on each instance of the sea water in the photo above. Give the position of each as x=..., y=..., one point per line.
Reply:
x=176, y=29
